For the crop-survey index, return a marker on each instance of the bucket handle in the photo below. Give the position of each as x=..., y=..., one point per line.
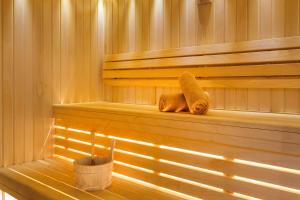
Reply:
x=112, y=147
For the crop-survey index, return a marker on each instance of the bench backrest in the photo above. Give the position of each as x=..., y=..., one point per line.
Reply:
x=261, y=75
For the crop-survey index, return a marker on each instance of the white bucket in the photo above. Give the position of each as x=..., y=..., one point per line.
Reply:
x=94, y=177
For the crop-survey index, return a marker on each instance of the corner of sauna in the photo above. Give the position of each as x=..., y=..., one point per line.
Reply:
x=150, y=99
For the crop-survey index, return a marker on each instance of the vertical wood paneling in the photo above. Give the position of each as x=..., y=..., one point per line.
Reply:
x=292, y=17
x=97, y=49
x=219, y=27
x=56, y=50
x=278, y=100
x=292, y=100
x=230, y=99
x=19, y=81
x=37, y=88
x=253, y=19
x=156, y=24
x=177, y=23
x=28, y=87
x=241, y=99
x=264, y=96
x=108, y=26
x=146, y=24
x=8, y=82
x=47, y=79
x=131, y=25
x=278, y=18
x=115, y=27
x=41, y=62
x=138, y=25
x=265, y=18
x=188, y=23
x=79, y=69
x=1, y=91
x=206, y=16
x=253, y=100
x=123, y=25
x=85, y=71
x=167, y=19
x=242, y=20
x=220, y=98
x=230, y=20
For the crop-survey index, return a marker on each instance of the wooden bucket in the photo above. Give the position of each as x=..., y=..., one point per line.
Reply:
x=97, y=176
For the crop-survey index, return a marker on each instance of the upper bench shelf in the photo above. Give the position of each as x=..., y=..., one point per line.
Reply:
x=282, y=122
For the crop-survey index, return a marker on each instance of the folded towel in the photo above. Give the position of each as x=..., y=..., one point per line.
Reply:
x=196, y=98
x=173, y=103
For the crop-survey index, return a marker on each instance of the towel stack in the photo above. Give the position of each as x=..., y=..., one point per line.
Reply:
x=193, y=98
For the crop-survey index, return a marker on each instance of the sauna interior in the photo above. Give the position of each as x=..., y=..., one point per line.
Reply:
x=76, y=75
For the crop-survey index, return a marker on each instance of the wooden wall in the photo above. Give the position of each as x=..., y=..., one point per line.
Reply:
x=133, y=25
x=50, y=52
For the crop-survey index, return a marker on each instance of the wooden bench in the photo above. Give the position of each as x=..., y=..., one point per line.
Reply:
x=260, y=75
x=54, y=179
x=270, y=63
x=223, y=155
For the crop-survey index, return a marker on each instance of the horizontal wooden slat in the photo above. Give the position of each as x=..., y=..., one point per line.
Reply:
x=117, y=191
x=288, y=69
x=225, y=166
x=226, y=59
x=256, y=147
x=74, y=135
x=71, y=191
x=26, y=186
x=246, y=46
x=227, y=183
x=171, y=184
x=61, y=173
x=128, y=130
x=253, y=155
x=213, y=83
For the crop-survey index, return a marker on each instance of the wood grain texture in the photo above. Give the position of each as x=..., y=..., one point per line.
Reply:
x=1, y=86
x=233, y=136
x=8, y=83
x=186, y=29
x=42, y=64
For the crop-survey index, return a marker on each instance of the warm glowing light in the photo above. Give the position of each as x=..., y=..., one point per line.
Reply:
x=134, y=154
x=242, y=196
x=134, y=167
x=125, y=139
x=100, y=135
x=209, y=187
x=79, y=141
x=192, y=152
x=79, y=131
x=59, y=146
x=59, y=127
x=265, y=184
x=131, y=141
x=150, y=185
x=262, y=165
x=80, y=152
x=100, y=146
x=193, y=167
x=59, y=137
x=52, y=188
